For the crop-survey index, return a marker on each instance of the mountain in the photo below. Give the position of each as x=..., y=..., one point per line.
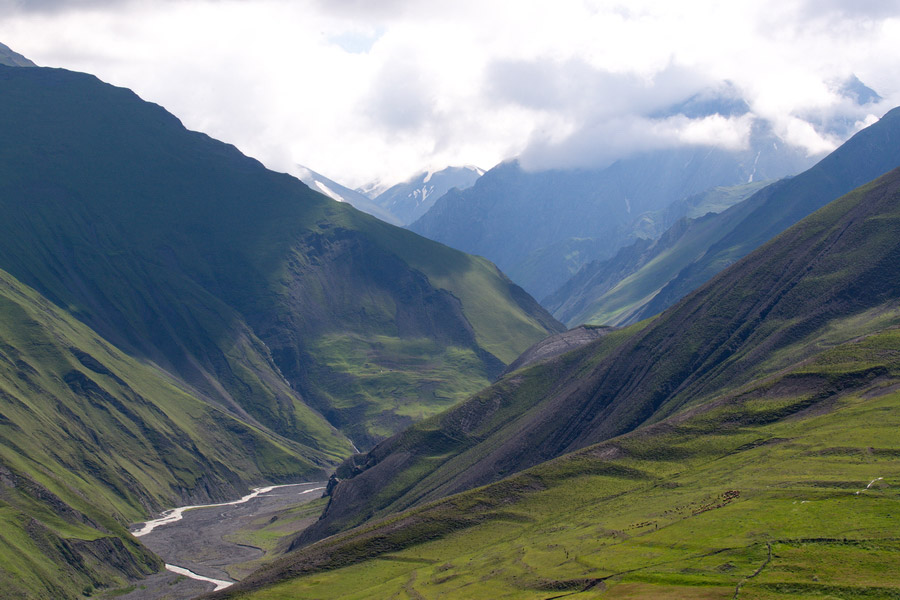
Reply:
x=744, y=442
x=736, y=328
x=541, y=227
x=13, y=59
x=178, y=323
x=400, y=204
x=268, y=298
x=411, y=199
x=92, y=440
x=649, y=276
x=338, y=192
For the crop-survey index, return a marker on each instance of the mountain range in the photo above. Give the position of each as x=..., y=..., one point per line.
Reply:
x=541, y=226
x=180, y=323
x=650, y=275
x=741, y=443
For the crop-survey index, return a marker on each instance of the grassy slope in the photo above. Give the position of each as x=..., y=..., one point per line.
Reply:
x=777, y=306
x=867, y=155
x=180, y=249
x=692, y=252
x=611, y=292
x=91, y=440
x=789, y=487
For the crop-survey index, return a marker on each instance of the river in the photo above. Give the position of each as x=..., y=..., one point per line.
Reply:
x=190, y=540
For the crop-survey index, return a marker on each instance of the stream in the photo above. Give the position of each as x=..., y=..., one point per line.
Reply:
x=190, y=540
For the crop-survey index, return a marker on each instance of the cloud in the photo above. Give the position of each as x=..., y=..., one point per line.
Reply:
x=400, y=99
x=59, y=6
x=853, y=9
x=361, y=90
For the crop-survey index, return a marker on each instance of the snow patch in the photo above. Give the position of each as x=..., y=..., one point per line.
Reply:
x=329, y=192
x=753, y=172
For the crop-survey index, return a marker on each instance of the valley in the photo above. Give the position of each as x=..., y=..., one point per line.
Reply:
x=653, y=352
x=196, y=541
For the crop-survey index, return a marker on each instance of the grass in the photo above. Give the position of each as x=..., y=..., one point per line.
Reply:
x=387, y=382
x=686, y=508
x=272, y=532
x=66, y=487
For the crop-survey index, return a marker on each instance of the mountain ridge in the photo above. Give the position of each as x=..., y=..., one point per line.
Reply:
x=540, y=227
x=644, y=279
x=717, y=337
x=757, y=421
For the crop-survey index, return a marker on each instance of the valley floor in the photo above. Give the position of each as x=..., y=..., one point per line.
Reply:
x=223, y=542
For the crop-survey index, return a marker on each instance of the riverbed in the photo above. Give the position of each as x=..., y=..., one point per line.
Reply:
x=190, y=541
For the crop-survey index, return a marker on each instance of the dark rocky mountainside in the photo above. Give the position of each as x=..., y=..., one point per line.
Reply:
x=240, y=281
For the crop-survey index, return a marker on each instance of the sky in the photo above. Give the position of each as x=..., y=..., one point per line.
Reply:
x=377, y=90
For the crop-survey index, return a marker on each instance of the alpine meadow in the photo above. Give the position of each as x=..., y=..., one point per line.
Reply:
x=597, y=300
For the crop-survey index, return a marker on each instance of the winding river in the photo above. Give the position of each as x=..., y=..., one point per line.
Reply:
x=190, y=539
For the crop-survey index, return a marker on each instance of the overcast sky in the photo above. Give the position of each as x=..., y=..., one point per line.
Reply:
x=366, y=89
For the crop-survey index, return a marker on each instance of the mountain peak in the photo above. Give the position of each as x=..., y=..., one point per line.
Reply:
x=856, y=90
x=724, y=100
x=13, y=59
x=412, y=198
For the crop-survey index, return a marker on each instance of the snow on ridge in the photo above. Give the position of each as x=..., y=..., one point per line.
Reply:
x=329, y=192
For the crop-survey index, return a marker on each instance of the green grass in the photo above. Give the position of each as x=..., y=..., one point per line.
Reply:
x=92, y=440
x=688, y=524
x=387, y=382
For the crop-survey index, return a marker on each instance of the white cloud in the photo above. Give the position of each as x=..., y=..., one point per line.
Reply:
x=360, y=90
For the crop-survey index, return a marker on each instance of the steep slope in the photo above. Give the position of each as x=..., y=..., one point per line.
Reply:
x=645, y=278
x=609, y=291
x=92, y=440
x=275, y=302
x=788, y=489
x=411, y=199
x=13, y=59
x=826, y=281
x=541, y=227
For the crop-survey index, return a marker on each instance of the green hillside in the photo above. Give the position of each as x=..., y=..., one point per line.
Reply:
x=646, y=278
x=757, y=455
x=269, y=299
x=822, y=284
x=92, y=440
x=789, y=488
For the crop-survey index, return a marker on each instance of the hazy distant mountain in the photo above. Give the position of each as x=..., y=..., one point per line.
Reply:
x=647, y=277
x=400, y=204
x=13, y=59
x=336, y=191
x=541, y=227
x=411, y=199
